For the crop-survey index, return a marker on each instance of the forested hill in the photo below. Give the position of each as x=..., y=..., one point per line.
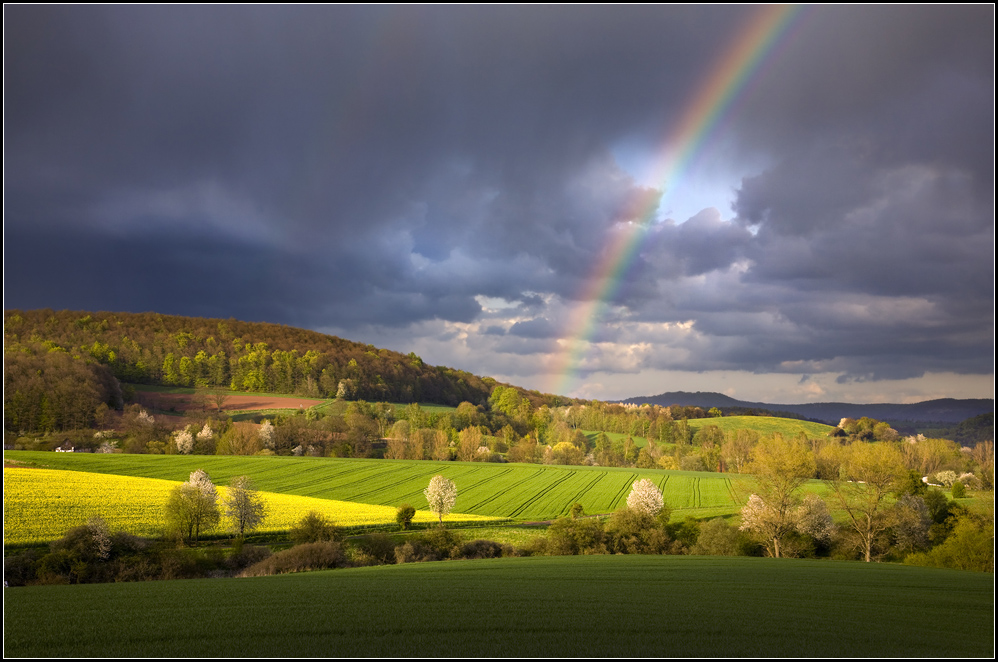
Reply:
x=149, y=348
x=946, y=410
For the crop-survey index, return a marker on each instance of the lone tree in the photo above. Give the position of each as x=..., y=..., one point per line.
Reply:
x=646, y=498
x=193, y=507
x=244, y=506
x=404, y=515
x=441, y=496
x=220, y=398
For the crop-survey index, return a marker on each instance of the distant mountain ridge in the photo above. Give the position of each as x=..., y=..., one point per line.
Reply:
x=945, y=410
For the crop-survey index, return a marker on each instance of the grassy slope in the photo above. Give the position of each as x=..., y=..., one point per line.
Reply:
x=619, y=606
x=764, y=425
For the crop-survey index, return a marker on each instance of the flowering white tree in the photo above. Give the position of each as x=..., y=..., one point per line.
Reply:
x=201, y=480
x=243, y=506
x=770, y=524
x=811, y=517
x=645, y=497
x=441, y=495
x=100, y=535
x=184, y=440
x=946, y=478
x=193, y=506
x=267, y=434
x=205, y=433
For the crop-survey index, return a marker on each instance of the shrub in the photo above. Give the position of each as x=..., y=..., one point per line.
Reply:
x=633, y=532
x=300, y=558
x=404, y=515
x=568, y=536
x=685, y=533
x=485, y=549
x=19, y=569
x=245, y=556
x=969, y=547
x=717, y=538
x=415, y=551
x=314, y=527
x=444, y=542
x=374, y=549
x=958, y=490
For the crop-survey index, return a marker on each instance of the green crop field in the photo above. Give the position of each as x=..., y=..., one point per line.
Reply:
x=764, y=425
x=518, y=491
x=581, y=606
x=640, y=442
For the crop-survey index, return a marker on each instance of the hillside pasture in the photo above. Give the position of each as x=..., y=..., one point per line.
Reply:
x=519, y=491
x=578, y=606
x=765, y=425
x=40, y=505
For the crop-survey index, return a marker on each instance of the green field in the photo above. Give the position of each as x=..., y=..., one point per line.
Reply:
x=764, y=425
x=517, y=491
x=583, y=606
x=591, y=435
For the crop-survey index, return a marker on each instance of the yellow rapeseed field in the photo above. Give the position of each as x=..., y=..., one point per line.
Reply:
x=42, y=504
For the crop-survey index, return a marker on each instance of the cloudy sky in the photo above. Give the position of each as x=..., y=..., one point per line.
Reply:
x=454, y=182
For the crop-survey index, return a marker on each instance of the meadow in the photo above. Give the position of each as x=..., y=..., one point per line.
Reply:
x=581, y=606
x=42, y=504
x=764, y=425
x=516, y=491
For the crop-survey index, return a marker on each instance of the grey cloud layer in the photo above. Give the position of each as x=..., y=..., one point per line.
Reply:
x=380, y=167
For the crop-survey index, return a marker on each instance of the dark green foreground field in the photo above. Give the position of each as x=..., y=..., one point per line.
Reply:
x=615, y=606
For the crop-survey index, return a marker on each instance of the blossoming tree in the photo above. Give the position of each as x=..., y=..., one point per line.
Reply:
x=441, y=495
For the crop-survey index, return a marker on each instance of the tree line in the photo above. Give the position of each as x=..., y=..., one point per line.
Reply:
x=148, y=348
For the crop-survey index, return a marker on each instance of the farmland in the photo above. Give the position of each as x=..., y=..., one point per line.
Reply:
x=522, y=492
x=178, y=399
x=642, y=606
x=42, y=504
x=764, y=425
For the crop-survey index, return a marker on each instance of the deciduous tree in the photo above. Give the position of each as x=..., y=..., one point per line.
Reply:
x=645, y=497
x=193, y=506
x=244, y=506
x=869, y=473
x=441, y=495
x=404, y=515
x=781, y=466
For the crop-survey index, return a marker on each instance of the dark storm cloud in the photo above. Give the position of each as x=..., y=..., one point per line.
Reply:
x=534, y=328
x=359, y=167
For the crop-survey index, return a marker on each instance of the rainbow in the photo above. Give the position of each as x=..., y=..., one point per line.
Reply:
x=713, y=101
